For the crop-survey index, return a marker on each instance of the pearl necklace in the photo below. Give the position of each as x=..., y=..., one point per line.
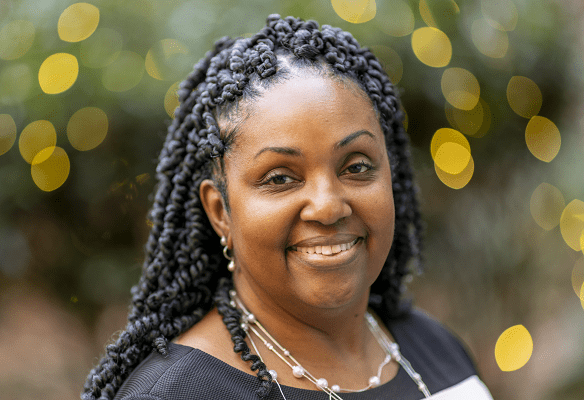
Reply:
x=249, y=323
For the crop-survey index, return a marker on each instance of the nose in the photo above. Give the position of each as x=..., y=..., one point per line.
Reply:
x=326, y=202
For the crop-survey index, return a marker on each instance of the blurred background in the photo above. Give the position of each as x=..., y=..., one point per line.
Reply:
x=493, y=95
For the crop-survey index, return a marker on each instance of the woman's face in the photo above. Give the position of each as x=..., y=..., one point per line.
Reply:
x=309, y=168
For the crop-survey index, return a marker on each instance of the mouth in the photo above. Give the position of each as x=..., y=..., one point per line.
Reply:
x=326, y=250
x=327, y=256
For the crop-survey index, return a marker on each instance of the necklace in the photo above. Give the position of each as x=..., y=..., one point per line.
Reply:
x=250, y=323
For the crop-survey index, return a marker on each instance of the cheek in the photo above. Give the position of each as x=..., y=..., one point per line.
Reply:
x=261, y=224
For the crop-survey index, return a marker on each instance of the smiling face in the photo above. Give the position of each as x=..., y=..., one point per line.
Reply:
x=309, y=167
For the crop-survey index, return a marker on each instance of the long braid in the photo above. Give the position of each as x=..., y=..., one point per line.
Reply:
x=182, y=272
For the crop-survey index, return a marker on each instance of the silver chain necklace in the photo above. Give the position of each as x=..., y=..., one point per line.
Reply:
x=249, y=323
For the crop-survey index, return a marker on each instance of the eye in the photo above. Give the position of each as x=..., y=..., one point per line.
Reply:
x=359, y=167
x=276, y=179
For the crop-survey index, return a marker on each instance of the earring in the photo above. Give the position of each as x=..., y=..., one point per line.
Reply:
x=231, y=265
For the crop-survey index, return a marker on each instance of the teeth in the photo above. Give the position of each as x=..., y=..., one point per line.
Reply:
x=326, y=250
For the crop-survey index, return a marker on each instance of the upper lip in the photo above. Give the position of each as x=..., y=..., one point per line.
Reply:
x=339, y=238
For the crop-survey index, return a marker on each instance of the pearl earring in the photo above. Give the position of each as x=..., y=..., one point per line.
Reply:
x=231, y=265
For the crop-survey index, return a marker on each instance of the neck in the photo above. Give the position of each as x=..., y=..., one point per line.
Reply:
x=315, y=335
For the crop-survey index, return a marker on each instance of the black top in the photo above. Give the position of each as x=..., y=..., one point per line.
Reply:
x=191, y=374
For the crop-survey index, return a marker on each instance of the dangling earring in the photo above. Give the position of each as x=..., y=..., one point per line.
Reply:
x=231, y=265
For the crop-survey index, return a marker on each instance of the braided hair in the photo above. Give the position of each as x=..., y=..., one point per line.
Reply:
x=183, y=276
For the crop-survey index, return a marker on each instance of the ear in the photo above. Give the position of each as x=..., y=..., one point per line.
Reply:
x=215, y=208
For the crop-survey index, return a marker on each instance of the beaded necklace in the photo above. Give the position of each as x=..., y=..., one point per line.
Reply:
x=249, y=323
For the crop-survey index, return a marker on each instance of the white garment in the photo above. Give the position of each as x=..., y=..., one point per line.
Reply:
x=472, y=388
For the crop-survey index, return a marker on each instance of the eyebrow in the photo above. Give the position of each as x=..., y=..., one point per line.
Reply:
x=295, y=151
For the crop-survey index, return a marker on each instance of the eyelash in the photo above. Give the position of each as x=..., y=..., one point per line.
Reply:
x=270, y=178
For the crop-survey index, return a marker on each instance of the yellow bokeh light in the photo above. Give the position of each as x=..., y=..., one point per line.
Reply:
x=390, y=61
x=7, y=133
x=489, y=41
x=101, y=48
x=78, y=22
x=502, y=14
x=171, y=99
x=432, y=47
x=452, y=158
x=124, y=73
x=460, y=88
x=572, y=223
x=426, y=14
x=87, y=128
x=513, y=349
x=36, y=136
x=158, y=59
x=543, y=138
x=400, y=22
x=356, y=12
x=16, y=38
x=445, y=135
x=524, y=96
x=446, y=9
x=582, y=296
x=50, y=168
x=582, y=241
x=475, y=122
x=457, y=181
x=58, y=73
x=546, y=206
x=578, y=276
x=16, y=82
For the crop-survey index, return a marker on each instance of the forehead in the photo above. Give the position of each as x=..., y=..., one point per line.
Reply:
x=311, y=108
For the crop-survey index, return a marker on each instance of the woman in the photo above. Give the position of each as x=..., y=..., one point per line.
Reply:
x=288, y=157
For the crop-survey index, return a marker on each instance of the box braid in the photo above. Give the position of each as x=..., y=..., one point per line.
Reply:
x=183, y=276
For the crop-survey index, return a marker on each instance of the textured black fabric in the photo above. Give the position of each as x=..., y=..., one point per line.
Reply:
x=191, y=374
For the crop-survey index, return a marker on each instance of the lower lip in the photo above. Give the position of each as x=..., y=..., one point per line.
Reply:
x=337, y=260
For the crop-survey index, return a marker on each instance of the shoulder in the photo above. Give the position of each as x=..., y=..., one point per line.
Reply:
x=433, y=349
x=186, y=373
x=152, y=371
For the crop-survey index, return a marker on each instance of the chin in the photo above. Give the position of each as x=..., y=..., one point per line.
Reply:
x=333, y=296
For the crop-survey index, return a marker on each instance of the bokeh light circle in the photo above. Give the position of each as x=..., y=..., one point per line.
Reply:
x=543, y=138
x=159, y=59
x=87, y=128
x=36, y=136
x=457, y=181
x=444, y=135
x=16, y=38
x=460, y=88
x=572, y=223
x=50, y=168
x=7, y=133
x=400, y=22
x=475, y=122
x=124, y=73
x=489, y=41
x=58, y=73
x=171, y=99
x=513, y=348
x=355, y=12
x=502, y=14
x=452, y=158
x=577, y=277
x=546, y=206
x=77, y=22
x=524, y=96
x=432, y=47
